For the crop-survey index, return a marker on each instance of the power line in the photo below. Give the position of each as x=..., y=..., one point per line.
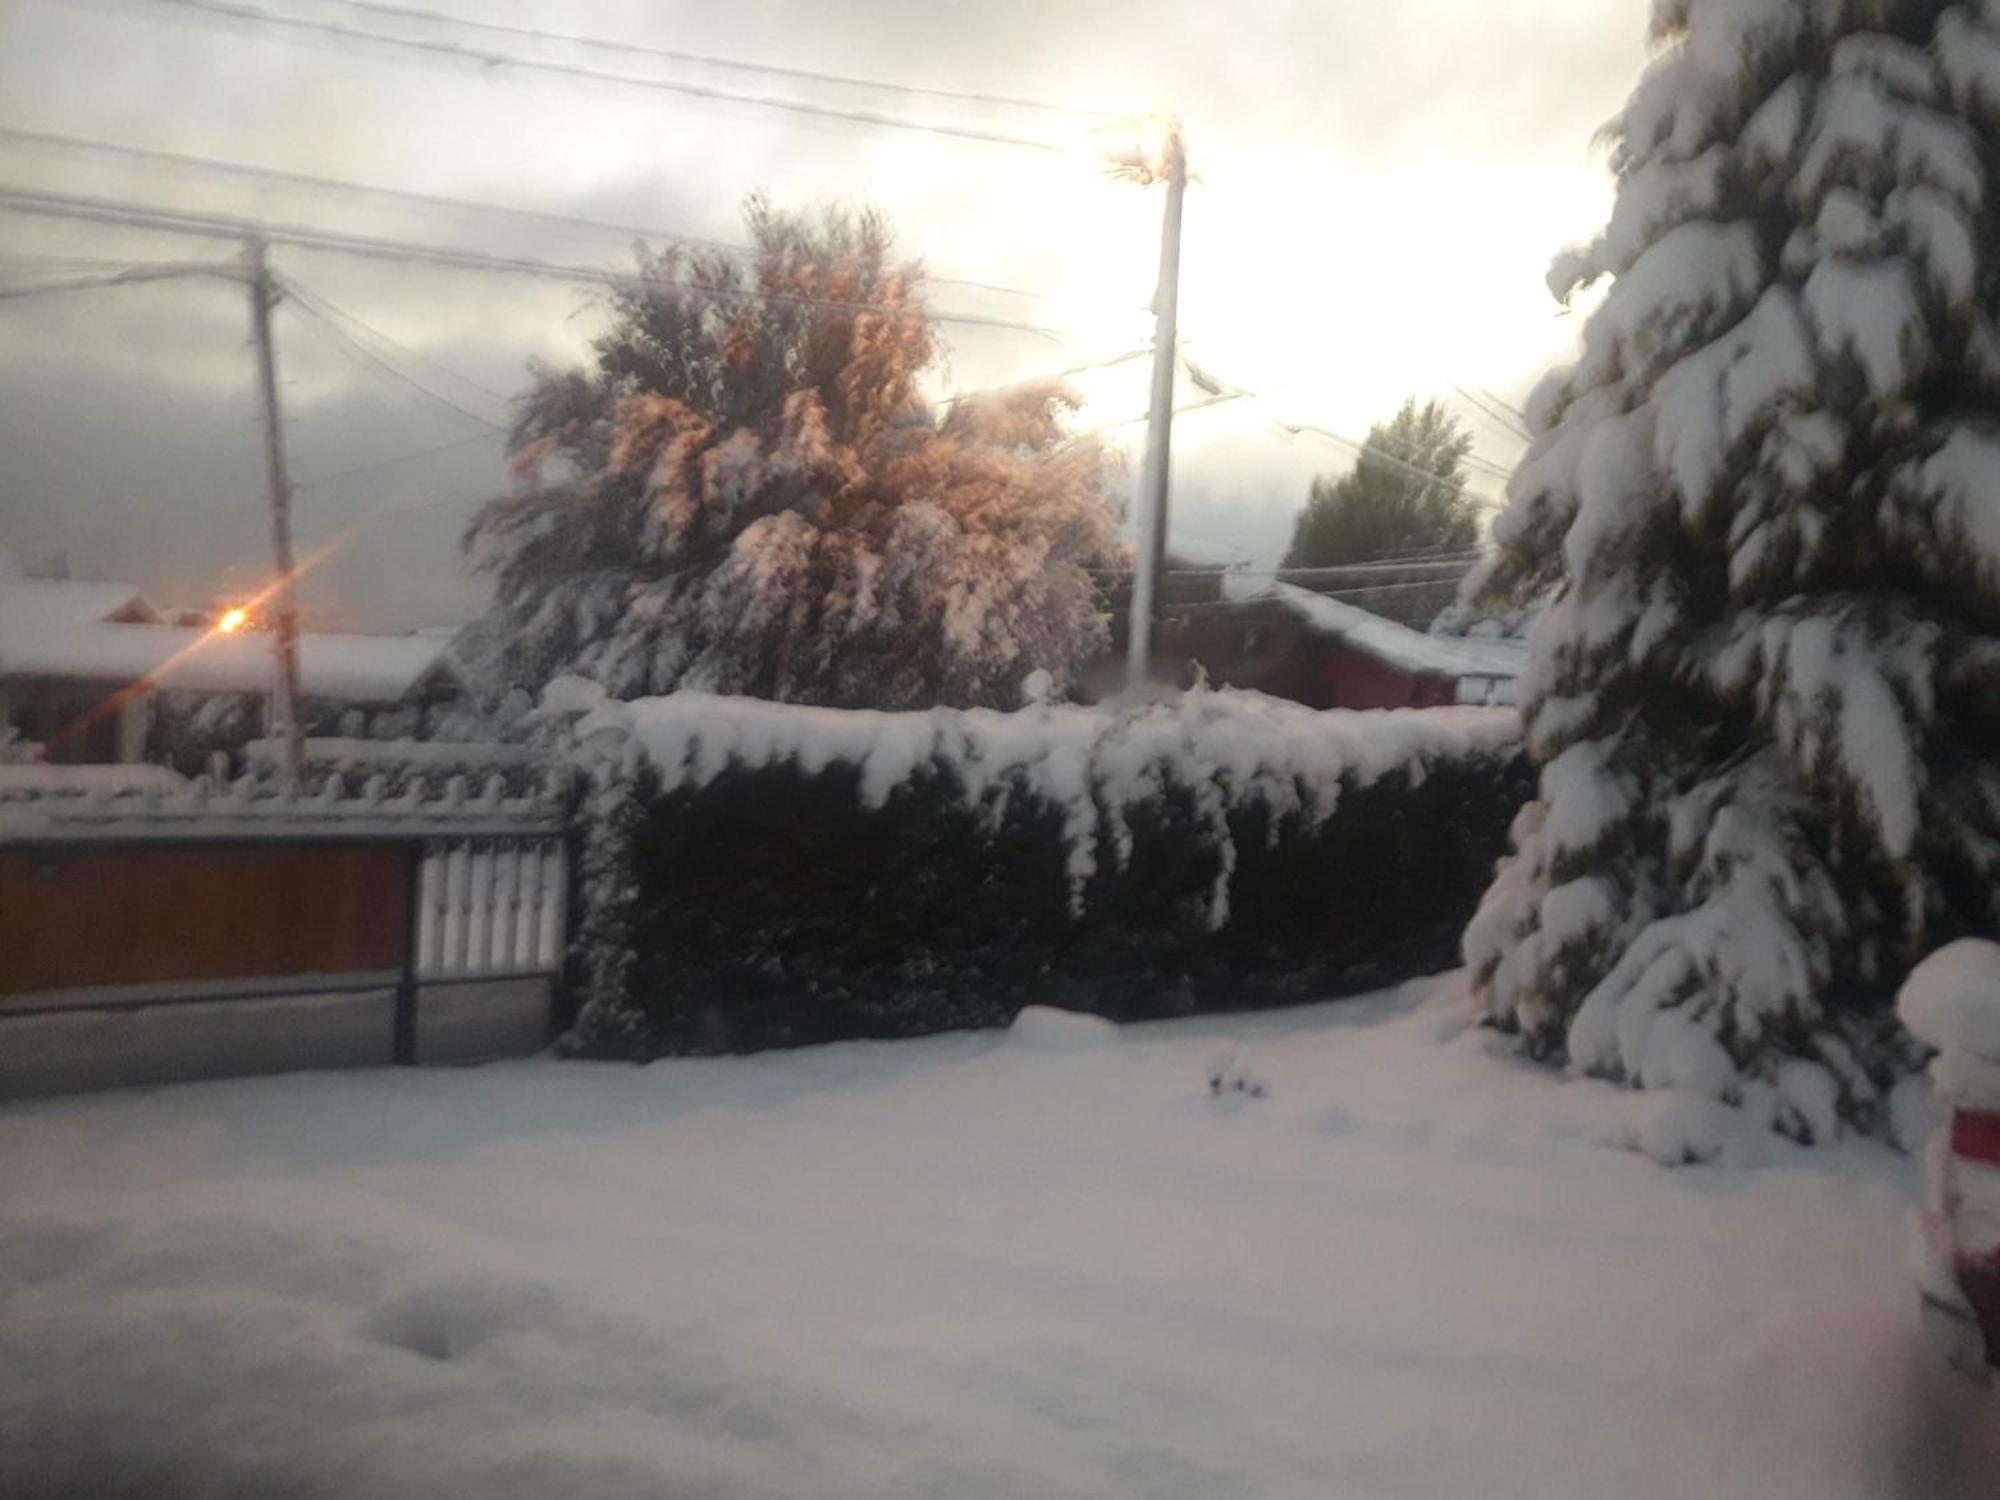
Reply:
x=1179, y=411
x=637, y=49
x=341, y=539
x=1491, y=415
x=488, y=435
x=370, y=331
x=997, y=390
x=485, y=58
x=1419, y=554
x=1209, y=382
x=33, y=262
x=1367, y=453
x=126, y=277
x=1207, y=606
x=484, y=436
x=427, y=200
x=1365, y=450
x=1343, y=570
x=304, y=299
x=222, y=226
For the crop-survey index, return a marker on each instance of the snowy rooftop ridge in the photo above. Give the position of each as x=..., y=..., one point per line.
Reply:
x=54, y=604
x=1233, y=750
x=1386, y=641
x=106, y=632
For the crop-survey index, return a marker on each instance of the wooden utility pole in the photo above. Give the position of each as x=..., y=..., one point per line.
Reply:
x=284, y=606
x=1152, y=552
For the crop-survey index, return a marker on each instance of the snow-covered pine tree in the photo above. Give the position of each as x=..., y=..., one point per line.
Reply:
x=1766, y=500
x=747, y=493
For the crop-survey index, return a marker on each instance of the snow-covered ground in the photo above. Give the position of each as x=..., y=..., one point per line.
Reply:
x=1042, y=1264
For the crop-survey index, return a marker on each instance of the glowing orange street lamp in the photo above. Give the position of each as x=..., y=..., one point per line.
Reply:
x=232, y=621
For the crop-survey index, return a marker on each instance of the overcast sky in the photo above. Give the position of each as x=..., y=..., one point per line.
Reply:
x=1381, y=187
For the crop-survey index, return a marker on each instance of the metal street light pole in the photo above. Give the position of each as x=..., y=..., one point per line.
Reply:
x=1152, y=551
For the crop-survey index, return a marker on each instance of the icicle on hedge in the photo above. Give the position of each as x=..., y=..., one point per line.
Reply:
x=1765, y=506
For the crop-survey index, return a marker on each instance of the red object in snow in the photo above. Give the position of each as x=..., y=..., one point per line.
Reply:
x=1975, y=1154
x=1962, y=1227
x=1951, y=1002
x=1975, y=1135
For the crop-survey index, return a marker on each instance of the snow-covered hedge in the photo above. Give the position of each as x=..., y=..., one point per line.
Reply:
x=755, y=873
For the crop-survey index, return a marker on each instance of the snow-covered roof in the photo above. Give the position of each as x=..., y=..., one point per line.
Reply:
x=1396, y=645
x=30, y=604
x=59, y=630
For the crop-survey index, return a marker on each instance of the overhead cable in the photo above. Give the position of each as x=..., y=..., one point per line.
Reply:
x=314, y=181
x=638, y=49
x=489, y=58
x=223, y=226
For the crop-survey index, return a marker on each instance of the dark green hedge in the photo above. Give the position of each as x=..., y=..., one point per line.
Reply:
x=770, y=907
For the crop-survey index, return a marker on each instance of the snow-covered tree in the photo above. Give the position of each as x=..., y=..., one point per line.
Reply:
x=1766, y=697
x=746, y=492
x=1385, y=504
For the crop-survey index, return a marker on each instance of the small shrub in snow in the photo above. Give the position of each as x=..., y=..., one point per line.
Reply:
x=1227, y=1076
x=1767, y=502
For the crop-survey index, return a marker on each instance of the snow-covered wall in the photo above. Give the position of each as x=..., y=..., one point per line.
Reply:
x=1219, y=823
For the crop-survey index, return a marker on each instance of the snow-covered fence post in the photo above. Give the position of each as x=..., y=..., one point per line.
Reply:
x=1952, y=1002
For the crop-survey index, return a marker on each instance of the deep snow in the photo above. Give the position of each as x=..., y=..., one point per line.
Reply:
x=970, y=1265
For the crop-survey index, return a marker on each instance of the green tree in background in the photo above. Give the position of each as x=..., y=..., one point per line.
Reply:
x=1381, y=507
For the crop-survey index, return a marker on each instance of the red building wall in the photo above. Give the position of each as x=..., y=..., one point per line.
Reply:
x=1352, y=680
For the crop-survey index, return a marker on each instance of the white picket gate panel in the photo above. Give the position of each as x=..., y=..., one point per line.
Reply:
x=490, y=906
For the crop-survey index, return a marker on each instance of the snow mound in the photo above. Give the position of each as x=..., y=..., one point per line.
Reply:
x=1047, y=1029
x=1952, y=999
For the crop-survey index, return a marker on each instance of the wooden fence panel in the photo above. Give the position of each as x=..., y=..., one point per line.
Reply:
x=90, y=915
